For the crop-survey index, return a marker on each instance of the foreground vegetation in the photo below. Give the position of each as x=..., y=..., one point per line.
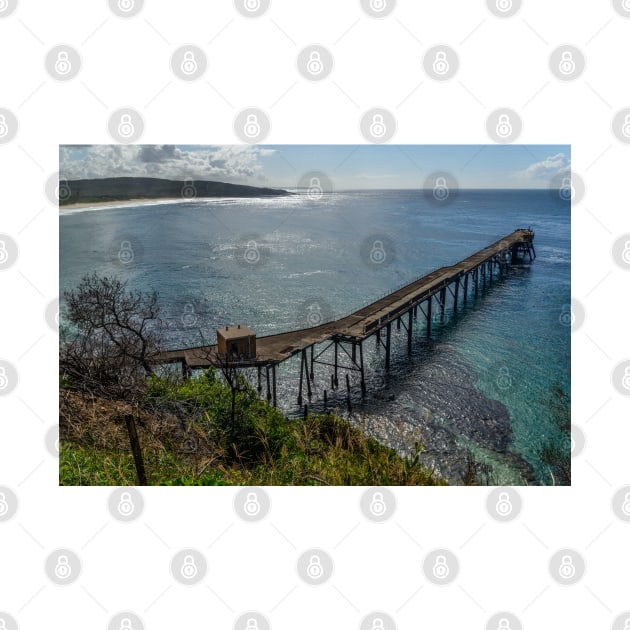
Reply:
x=188, y=438
x=121, y=424
x=555, y=451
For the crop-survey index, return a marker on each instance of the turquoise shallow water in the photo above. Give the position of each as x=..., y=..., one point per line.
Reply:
x=479, y=385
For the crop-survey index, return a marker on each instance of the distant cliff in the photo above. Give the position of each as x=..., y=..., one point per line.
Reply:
x=124, y=188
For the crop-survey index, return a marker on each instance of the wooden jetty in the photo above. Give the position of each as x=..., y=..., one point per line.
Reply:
x=426, y=295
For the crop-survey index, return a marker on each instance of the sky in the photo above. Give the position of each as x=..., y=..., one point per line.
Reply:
x=348, y=167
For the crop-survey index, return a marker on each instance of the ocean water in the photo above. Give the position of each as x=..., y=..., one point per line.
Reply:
x=480, y=385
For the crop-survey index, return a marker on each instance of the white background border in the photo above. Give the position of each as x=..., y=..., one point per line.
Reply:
x=504, y=62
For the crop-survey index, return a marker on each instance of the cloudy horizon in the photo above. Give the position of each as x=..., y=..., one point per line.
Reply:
x=349, y=167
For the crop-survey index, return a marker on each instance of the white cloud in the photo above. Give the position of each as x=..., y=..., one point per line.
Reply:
x=232, y=163
x=547, y=169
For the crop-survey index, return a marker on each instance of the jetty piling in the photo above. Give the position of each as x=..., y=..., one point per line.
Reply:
x=345, y=336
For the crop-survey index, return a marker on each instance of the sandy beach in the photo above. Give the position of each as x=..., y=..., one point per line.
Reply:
x=95, y=205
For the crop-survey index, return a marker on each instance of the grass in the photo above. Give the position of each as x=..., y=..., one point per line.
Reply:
x=188, y=438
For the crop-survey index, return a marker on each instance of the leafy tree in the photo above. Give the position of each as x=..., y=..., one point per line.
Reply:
x=111, y=336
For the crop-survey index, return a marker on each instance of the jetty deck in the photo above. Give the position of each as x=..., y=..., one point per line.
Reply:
x=460, y=279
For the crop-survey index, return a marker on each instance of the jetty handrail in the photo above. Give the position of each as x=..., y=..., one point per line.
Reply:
x=367, y=302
